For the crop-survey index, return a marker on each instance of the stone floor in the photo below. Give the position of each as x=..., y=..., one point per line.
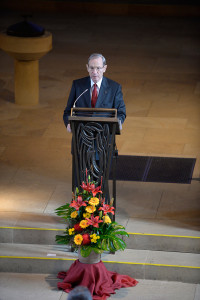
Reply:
x=42, y=286
x=157, y=62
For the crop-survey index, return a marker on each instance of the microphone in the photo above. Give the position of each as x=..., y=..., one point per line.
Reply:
x=79, y=97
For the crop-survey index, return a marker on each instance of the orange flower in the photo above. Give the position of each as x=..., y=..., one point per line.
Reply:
x=78, y=239
x=94, y=201
x=84, y=224
x=90, y=209
x=74, y=214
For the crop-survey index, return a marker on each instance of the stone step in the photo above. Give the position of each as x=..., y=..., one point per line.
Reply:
x=163, y=242
x=20, y=286
x=144, y=234
x=143, y=241
x=140, y=264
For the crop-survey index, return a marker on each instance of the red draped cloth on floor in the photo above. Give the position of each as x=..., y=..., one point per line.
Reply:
x=96, y=278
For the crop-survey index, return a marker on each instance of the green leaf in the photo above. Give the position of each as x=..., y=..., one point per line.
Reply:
x=121, y=244
x=64, y=211
x=111, y=245
x=118, y=228
x=104, y=245
x=62, y=239
x=122, y=233
x=97, y=250
x=116, y=245
x=85, y=251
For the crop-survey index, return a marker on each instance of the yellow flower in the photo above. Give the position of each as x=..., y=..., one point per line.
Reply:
x=83, y=224
x=93, y=240
x=78, y=239
x=94, y=237
x=74, y=214
x=107, y=219
x=86, y=215
x=71, y=231
x=94, y=201
x=90, y=209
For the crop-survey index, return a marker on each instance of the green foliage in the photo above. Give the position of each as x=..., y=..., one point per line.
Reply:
x=64, y=211
x=62, y=239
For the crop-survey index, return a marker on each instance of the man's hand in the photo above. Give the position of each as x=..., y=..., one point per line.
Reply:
x=69, y=128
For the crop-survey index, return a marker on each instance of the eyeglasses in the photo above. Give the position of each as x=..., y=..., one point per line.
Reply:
x=98, y=69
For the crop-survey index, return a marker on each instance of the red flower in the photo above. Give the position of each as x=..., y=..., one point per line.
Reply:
x=96, y=191
x=86, y=239
x=77, y=227
x=90, y=187
x=107, y=209
x=94, y=221
x=78, y=203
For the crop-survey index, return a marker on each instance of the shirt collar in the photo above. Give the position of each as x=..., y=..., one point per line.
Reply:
x=98, y=83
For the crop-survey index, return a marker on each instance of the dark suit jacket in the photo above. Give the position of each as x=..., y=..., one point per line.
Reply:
x=110, y=96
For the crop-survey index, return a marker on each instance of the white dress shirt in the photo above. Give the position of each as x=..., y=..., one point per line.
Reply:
x=98, y=86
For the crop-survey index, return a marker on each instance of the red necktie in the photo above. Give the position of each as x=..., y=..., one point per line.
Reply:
x=94, y=95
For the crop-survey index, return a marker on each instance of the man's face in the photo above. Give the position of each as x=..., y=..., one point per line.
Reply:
x=96, y=69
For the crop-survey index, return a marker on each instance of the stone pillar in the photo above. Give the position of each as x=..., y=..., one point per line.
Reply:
x=27, y=82
x=26, y=52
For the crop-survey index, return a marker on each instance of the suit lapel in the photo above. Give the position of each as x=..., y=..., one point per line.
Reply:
x=87, y=95
x=102, y=93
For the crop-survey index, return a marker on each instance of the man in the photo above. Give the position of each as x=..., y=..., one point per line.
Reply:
x=95, y=90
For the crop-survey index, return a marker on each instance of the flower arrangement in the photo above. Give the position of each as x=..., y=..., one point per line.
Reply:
x=89, y=222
